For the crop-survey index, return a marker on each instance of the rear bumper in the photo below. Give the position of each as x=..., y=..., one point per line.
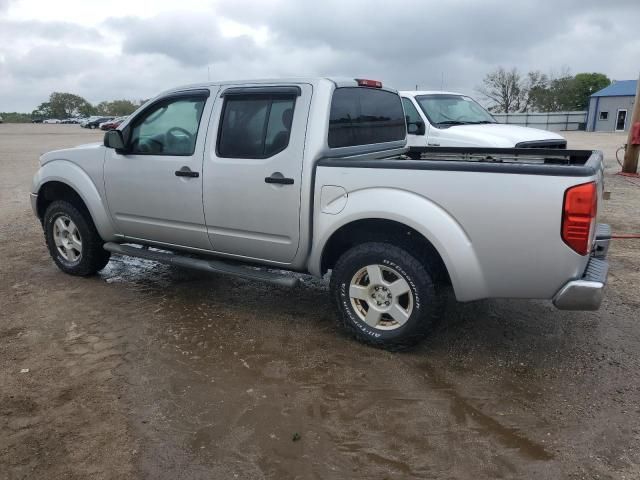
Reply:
x=587, y=292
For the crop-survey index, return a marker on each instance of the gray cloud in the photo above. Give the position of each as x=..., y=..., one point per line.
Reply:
x=403, y=43
x=10, y=30
x=46, y=62
x=417, y=41
x=190, y=39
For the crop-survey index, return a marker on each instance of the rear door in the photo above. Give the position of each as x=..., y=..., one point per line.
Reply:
x=253, y=170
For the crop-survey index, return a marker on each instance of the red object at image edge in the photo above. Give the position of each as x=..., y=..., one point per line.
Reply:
x=635, y=134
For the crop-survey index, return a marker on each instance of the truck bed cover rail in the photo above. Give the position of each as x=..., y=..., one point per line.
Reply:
x=524, y=161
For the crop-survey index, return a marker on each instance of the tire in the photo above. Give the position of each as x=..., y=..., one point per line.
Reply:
x=84, y=258
x=402, y=320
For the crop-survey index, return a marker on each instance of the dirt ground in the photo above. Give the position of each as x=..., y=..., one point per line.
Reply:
x=148, y=371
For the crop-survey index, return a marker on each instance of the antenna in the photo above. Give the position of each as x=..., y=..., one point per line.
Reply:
x=442, y=81
x=208, y=73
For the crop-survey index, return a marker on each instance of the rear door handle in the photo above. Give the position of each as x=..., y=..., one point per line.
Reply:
x=187, y=172
x=279, y=179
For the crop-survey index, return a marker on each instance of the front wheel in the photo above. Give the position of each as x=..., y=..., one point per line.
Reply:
x=386, y=297
x=72, y=239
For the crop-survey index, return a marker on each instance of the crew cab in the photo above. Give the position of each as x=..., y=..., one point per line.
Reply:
x=313, y=175
x=449, y=119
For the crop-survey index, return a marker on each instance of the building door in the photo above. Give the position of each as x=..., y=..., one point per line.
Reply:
x=621, y=120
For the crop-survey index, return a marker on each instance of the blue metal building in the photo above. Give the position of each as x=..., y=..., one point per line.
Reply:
x=610, y=108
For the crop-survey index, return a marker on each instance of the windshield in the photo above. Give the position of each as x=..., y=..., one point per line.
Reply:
x=447, y=110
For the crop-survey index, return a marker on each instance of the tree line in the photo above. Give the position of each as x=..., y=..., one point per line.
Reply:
x=63, y=105
x=67, y=105
x=509, y=91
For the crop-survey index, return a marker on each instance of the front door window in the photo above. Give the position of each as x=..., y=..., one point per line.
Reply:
x=168, y=128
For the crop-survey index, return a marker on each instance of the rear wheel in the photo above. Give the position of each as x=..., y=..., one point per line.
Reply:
x=385, y=296
x=72, y=239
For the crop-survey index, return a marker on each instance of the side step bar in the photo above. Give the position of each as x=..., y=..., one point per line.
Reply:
x=216, y=266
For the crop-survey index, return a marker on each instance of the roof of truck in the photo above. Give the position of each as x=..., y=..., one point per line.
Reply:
x=340, y=81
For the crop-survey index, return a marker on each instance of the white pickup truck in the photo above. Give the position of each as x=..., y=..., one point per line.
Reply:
x=448, y=119
x=313, y=175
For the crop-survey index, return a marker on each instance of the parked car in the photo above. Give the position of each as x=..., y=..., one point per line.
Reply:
x=448, y=119
x=83, y=123
x=1, y=120
x=72, y=120
x=312, y=176
x=37, y=120
x=95, y=121
x=51, y=120
x=112, y=124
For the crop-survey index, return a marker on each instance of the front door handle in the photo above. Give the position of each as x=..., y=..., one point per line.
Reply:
x=278, y=178
x=187, y=172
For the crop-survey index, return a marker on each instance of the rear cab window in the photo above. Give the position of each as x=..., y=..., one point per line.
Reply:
x=364, y=116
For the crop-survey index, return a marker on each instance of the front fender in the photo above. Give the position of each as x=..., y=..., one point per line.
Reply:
x=69, y=173
x=432, y=221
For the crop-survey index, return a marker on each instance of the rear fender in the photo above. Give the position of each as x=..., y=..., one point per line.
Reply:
x=434, y=223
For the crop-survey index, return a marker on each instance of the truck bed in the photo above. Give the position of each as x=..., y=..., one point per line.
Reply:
x=502, y=208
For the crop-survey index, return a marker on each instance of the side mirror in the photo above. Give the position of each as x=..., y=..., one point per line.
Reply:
x=416, y=128
x=114, y=139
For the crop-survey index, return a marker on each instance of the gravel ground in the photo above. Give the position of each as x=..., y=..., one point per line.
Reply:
x=148, y=371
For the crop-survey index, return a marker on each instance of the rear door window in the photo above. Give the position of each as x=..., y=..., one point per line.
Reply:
x=364, y=116
x=255, y=126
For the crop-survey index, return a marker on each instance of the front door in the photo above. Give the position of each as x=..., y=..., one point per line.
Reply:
x=417, y=128
x=154, y=187
x=621, y=120
x=253, y=171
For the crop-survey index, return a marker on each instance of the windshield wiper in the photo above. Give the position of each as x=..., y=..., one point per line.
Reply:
x=479, y=122
x=451, y=122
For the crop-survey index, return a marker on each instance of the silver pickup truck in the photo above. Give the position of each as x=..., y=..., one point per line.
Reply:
x=312, y=175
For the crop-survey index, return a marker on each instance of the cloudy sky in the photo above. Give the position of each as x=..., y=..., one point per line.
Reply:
x=134, y=49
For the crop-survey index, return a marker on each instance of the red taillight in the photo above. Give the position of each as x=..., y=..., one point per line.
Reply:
x=368, y=83
x=579, y=215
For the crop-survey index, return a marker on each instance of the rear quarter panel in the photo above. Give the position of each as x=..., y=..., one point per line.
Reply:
x=498, y=234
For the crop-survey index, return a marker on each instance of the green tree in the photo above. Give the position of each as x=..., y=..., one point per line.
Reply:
x=557, y=95
x=15, y=117
x=568, y=92
x=65, y=105
x=116, y=107
x=586, y=84
x=535, y=83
